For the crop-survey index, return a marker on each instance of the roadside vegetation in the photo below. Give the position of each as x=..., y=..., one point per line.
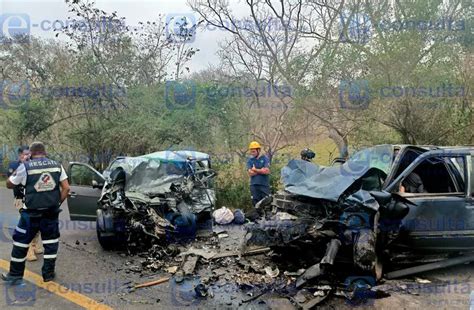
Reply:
x=140, y=95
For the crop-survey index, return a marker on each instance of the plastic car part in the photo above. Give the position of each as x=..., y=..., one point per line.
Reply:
x=319, y=268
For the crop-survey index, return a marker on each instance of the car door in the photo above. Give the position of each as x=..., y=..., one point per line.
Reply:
x=440, y=219
x=86, y=187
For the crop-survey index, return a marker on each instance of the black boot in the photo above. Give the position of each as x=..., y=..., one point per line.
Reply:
x=11, y=280
x=49, y=277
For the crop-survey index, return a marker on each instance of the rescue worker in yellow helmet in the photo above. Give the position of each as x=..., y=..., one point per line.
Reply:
x=258, y=168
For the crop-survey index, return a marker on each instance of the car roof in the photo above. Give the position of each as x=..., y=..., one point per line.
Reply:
x=430, y=146
x=460, y=148
x=176, y=156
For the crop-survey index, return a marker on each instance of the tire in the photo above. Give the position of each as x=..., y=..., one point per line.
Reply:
x=107, y=240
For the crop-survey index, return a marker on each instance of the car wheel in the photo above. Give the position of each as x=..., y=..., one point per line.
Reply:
x=107, y=239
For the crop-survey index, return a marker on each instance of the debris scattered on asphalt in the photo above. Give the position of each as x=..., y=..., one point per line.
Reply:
x=201, y=290
x=301, y=246
x=223, y=216
x=297, y=273
x=189, y=264
x=239, y=217
x=151, y=283
x=207, y=254
x=422, y=281
x=222, y=235
x=272, y=272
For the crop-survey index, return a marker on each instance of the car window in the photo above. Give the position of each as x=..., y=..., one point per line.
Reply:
x=406, y=158
x=175, y=168
x=83, y=175
x=458, y=166
x=436, y=175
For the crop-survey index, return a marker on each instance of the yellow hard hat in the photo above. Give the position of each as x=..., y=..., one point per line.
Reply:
x=254, y=145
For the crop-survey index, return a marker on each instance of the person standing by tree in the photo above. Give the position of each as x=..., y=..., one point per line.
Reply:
x=258, y=168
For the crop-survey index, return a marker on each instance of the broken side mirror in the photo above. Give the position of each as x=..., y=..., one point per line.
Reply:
x=381, y=197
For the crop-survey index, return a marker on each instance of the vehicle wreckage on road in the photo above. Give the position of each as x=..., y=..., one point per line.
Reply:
x=144, y=200
x=391, y=210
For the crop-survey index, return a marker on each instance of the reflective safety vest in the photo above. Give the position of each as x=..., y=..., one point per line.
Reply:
x=42, y=184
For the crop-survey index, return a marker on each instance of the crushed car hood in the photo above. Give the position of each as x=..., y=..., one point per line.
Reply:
x=307, y=179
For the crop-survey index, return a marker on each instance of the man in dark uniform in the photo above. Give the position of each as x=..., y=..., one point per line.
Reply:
x=19, y=193
x=258, y=168
x=46, y=187
x=23, y=155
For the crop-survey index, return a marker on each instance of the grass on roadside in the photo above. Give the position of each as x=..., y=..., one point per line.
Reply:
x=3, y=179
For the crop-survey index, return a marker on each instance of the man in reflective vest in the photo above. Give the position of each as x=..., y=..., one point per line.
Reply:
x=46, y=187
x=36, y=247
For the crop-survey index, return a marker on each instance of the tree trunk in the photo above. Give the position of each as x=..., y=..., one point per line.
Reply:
x=340, y=141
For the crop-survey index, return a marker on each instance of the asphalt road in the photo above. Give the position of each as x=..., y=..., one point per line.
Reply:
x=83, y=267
x=89, y=277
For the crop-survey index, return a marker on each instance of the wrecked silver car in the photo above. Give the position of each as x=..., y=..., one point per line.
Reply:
x=390, y=210
x=144, y=200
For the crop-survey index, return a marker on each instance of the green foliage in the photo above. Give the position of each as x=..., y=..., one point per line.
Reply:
x=34, y=118
x=411, y=58
x=3, y=179
x=233, y=183
x=233, y=186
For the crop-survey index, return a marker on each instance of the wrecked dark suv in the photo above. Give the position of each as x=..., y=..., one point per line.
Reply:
x=390, y=210
x=145, y=200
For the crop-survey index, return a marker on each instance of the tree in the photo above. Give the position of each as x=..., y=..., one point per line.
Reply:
x=278, y=41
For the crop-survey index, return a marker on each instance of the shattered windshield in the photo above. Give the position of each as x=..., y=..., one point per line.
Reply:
x=151, y=176
x=380, y=157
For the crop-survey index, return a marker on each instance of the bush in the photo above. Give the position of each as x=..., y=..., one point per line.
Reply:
x=233, y=184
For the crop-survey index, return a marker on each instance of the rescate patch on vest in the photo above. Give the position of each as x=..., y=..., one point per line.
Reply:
x=45, y=183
